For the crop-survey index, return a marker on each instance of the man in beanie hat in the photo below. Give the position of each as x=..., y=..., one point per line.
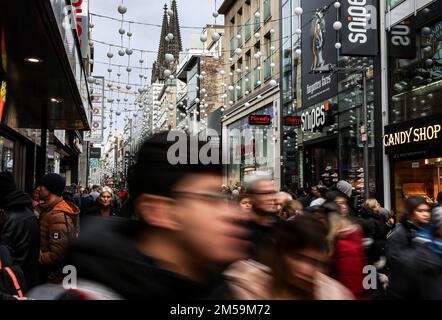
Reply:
x=20, y=232
x=58, y=224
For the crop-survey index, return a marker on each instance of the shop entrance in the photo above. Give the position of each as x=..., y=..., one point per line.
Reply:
x=321, y=163
x=417, y=178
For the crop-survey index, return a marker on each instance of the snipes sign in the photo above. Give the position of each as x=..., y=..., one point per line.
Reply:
x=359, y=33
x=422, y=134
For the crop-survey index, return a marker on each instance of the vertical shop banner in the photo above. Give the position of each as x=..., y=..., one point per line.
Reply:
x=359, y=33
x=81, y=10
x=318, y=50
x=402, y=40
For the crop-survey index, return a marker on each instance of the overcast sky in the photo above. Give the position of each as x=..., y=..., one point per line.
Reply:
x=194, y=13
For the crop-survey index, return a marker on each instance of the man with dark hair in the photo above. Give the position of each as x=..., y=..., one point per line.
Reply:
x=19, y=231
x=187, y=233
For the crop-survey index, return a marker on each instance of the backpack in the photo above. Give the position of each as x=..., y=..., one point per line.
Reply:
x=12, y=280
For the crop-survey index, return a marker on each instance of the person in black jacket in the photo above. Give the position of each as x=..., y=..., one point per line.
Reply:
x=375, y=230
x=401, y=247
x=20, y=232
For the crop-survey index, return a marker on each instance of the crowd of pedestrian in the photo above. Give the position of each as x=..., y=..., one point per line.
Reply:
x=178, y=233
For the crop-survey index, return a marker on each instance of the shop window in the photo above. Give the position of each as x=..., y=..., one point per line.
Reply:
x=6, y=155
x=416, y=70
x=420, y=177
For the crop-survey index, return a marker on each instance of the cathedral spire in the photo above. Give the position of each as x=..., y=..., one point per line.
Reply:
x=159, y=65
x=174, y=28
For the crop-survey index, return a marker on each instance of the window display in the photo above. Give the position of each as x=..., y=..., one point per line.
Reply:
x=6, y=155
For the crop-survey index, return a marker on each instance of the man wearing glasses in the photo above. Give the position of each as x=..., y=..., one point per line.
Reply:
x=187, y=233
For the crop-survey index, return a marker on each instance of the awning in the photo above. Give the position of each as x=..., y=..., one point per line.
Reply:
x=45, y=80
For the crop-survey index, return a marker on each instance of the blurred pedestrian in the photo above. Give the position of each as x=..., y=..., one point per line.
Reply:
x=298, y=269
x=281, y=199
x=345, y=248
x=246, y=204
x=20, y=231
x=400, y=247
x=58, y=224
x=291, y=210
x=263, y=192
x=439, y=199
x=186, y=234
x=95, y=192
x=319, y=196
x=340, y=199
x=303, y=197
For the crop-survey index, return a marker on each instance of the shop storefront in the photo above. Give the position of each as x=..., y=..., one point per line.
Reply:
x=412, y=139
x=43, y=86
x=325, y=140
x=251, y=145
x=6, y=155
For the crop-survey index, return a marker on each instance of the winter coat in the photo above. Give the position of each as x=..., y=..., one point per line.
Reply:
x=376, y=230
x=21, y=234
x=106, y=254
x=348, y=260
x=250, y=280
x=400, y=252
x=58, y=225
x=94, y=210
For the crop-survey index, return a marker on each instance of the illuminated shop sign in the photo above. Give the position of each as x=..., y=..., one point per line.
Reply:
x=292, y=121
x=359, y=30
x=421, y=134
x=260, y=120
x=314, y=118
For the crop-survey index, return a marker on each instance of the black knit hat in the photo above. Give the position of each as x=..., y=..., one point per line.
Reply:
x=7, y=183
x=54, y=183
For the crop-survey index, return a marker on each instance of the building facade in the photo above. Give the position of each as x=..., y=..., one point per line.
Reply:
x=413, y=120
x=251, y=92
x=44, y=89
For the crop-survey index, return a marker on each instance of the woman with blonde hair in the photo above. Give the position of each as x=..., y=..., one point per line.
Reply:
x=105, y=205
x=344, y=239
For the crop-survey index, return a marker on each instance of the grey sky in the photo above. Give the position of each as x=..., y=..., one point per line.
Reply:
x=191, y=13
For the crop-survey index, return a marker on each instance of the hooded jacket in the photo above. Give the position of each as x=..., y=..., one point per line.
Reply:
x=21, y=234
x=105, y=254
x=58, y=224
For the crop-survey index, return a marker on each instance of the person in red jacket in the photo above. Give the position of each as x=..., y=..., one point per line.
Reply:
x=345, y=249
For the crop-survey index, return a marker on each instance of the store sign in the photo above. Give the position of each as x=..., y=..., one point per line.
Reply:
x=314, y=118
x=421, y=134
x=95, y=153
x=359, y=33
x=402, y=40
x=292, y=121
x=318, y=47
x=81, y=10
x=260, y=120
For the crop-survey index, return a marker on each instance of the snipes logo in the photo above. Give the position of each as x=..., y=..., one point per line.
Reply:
x=361, y=18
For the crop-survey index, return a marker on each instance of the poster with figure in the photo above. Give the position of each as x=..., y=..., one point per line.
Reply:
x=318, y=50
